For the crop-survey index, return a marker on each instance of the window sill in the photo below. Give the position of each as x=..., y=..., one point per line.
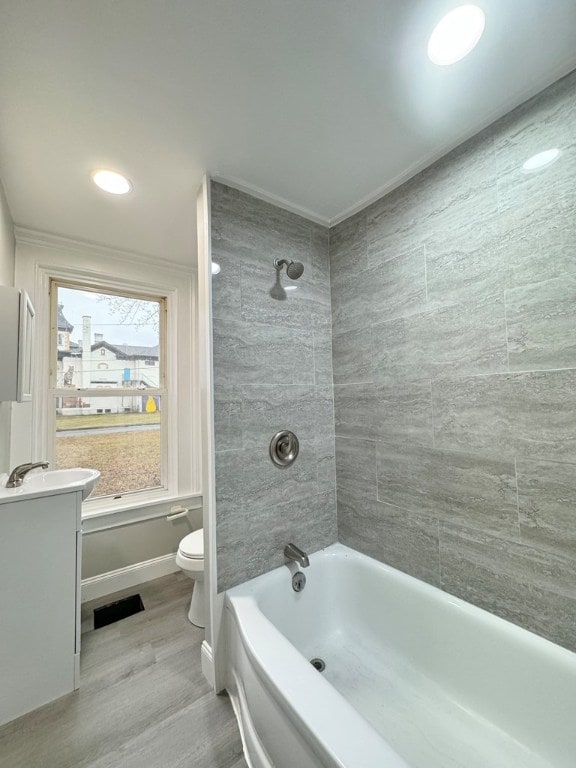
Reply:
x=100, y=516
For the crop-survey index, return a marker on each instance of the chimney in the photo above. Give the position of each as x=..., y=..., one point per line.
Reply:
x=86, y=350
x=98, y=337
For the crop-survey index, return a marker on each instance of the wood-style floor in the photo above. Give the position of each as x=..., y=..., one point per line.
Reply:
x=143, y=701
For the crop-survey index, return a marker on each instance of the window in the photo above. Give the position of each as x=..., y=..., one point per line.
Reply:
x=109, y=416
x=46, y=266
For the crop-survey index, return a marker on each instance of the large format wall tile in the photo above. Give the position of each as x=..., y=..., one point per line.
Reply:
x=352, y=356
x=473, y=412
x=530, y=587
x=270, y=409
x=354, y=406
x=541, y=322
x=548, y=122
x=268, y=232
x=547, y=504
x=230, y=520
x=543, y=416
x=403, y=540
x=352, y=300
x=462, y=259
x=325, y=439
x=539, y=245
x=544, y=121
x=455, y=177
x=398, y=286
x=323, y=374
x=228, y=418
x=456, y=487
x=310, y=526
x=349, y=246
x=250, y=353
x=302, y=308
x=455, y=370
x=392, y=223
x=272, y=371
x=403, y=415
x=461, y=338
x=531, y=415
x=356, y=467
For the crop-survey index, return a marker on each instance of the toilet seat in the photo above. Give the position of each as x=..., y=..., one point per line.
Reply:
x=192, y=545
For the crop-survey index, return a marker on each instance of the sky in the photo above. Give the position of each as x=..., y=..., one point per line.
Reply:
x=78, y=303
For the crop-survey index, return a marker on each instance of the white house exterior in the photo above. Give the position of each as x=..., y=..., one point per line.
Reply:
x=98, y=364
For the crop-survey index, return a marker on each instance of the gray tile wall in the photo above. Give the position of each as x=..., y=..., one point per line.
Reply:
x=272, y=371
x=454, y=353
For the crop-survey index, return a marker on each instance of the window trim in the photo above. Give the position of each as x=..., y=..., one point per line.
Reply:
x=43, y=258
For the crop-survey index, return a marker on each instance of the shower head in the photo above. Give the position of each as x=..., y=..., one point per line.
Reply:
x=294, y=269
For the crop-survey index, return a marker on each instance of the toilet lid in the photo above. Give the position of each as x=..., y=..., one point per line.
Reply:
x=192, y=545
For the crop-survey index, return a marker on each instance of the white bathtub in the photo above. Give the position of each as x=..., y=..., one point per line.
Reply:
x=414, y=677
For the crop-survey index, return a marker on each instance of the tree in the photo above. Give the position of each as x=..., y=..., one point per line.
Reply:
x=135, y=312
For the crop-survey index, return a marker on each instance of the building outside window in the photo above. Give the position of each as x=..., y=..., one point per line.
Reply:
x=111, y=415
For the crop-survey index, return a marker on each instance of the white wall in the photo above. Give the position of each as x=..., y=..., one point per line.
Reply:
x=7, y=251
x=109, y=550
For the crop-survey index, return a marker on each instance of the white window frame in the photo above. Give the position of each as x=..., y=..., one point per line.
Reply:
x=41, y=258
x=163, y=391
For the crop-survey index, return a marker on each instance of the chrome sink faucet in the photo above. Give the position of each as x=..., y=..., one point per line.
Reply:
x=18, y=473
x=295, y=555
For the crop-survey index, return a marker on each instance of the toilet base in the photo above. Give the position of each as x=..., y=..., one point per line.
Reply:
x=196, y=614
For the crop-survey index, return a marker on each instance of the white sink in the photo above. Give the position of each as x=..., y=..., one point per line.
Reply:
x=49, y=482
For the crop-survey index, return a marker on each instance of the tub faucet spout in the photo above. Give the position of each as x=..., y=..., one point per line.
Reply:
x=295, y=555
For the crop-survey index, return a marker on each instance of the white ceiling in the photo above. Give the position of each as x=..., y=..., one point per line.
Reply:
x=321, y=104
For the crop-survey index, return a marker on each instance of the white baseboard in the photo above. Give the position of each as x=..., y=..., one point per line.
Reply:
x=208, y=663
x=130, y=576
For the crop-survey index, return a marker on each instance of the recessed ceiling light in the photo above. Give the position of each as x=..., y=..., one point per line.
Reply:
x=456, y=34
x=541, y=160
x=215, y=268
x=112, y=182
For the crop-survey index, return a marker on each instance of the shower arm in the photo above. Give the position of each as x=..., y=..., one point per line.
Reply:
x=279, y=263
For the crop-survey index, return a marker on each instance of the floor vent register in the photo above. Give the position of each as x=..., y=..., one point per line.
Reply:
x=120, y=609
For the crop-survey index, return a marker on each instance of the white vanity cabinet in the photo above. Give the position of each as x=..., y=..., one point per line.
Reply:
x=40, y=555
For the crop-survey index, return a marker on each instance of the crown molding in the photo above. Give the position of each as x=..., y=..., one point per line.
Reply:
x=268, y=197
x=425, y=162
x=35, y=237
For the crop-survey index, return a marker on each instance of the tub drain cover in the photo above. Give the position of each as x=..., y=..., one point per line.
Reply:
x=318, y=664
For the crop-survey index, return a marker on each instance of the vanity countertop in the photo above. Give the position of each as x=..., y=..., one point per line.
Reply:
x=50, y=483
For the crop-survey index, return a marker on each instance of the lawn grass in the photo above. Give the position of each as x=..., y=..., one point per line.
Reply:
x=96, y=420
x=128, y=461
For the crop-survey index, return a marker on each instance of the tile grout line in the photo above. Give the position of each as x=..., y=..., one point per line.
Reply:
x=439, y=554
x=425, y=273
x=517, y=499
x=432, y=415
x=506, y=331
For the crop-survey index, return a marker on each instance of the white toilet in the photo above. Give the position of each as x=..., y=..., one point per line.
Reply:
x=190, y=558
